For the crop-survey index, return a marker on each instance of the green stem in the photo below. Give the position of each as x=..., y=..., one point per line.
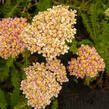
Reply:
x=55, y=104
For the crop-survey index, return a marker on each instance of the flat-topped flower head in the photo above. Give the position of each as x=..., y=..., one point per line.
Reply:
x=11, y=42
x=40, y=86
x=49, y=30
x=88, y=63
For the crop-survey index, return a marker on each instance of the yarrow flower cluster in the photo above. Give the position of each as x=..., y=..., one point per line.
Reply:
x=107, y=12
x=58, y=69
x=11, y=42
x=49, y=30
x=41, y=84
x=88, y=63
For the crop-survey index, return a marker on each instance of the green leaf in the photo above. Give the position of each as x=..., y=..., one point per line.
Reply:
x=72, y=45
x=15, y=79
x=12, y=10
x=22, y=104
x=85, y=41
x=86, y=22
x=42, y=5
x=25, y=56
x=4, y=73
x=75, y=80
x=55, y=105
x=88, y=80
x=3, y=103
x=10, y=62
x=73, y=49
x=15, y=96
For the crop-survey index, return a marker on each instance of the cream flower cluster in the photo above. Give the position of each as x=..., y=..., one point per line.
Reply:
x=11, y=42
x=49, y=30
x=88, y=63
x=40, y=86
x=107, y=12
x=58, y=69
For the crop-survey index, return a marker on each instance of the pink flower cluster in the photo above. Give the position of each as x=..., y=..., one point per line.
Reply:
x=58, y=69
x=88, y=63
x=11, y=42
x=41, y=83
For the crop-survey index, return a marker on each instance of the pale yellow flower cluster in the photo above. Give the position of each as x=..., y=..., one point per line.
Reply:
x=107, y=12
x=49, y=30
x=40, y=86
